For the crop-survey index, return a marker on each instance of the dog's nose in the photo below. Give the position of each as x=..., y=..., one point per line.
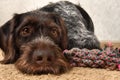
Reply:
x=43, y=57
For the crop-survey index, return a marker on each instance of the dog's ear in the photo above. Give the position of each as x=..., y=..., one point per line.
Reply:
x=63, y=38
x=7, y=41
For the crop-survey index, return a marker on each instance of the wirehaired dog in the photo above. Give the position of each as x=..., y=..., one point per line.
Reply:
x=34, y=40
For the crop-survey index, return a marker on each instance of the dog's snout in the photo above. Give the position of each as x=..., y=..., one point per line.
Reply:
x=43, y=57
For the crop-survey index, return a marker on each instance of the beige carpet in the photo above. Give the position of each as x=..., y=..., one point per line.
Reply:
x=9, y=72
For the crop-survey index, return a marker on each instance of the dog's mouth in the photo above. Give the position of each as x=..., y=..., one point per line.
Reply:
x=59, y=66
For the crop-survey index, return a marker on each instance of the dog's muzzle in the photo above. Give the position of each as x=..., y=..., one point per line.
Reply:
x=42, y=56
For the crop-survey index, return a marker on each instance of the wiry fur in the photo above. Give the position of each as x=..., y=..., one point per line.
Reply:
x=34, y=40
x=27, y=64
x=79, y=25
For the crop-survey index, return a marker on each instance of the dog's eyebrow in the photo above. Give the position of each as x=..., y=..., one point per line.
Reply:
x=27, y=21
x=53, y=27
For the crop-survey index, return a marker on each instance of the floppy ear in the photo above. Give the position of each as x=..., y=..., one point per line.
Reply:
x=63, y=38
x=7, y=42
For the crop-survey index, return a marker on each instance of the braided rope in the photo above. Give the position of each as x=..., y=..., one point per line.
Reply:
x=108, y=57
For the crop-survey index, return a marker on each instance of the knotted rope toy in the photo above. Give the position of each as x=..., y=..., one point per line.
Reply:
x=108, y=57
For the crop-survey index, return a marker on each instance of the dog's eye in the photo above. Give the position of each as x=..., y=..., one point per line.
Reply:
x=54, y=31
x=26, y=31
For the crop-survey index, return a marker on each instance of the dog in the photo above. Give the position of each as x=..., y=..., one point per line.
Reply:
x=34, y=40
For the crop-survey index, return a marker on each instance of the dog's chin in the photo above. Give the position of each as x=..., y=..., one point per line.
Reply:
x=57, y=67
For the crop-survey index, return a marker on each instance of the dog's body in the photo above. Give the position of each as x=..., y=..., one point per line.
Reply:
x=35, y=40
x=79, y=25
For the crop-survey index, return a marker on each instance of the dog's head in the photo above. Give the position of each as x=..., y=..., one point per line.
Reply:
x=34, y=42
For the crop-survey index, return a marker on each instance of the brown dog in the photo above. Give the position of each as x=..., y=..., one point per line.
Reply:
x=34, y=40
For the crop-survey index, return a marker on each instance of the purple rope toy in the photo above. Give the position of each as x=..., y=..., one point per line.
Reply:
x=108, y=57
